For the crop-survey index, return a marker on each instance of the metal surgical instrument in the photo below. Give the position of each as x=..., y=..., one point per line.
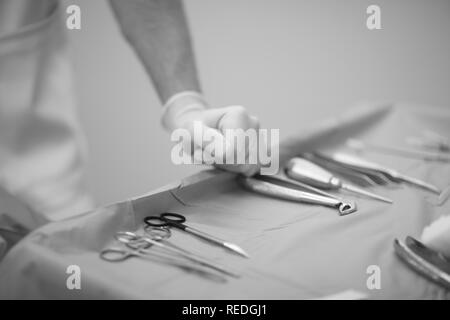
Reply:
x=274, y=190
x=424, y=155
x=359, y=164
x=305, y=171
x=139, y=245
x=372, y=177
x=286, y=181
x=425, y=261
x=351, y=175
x=177, y=221
x=116, y=254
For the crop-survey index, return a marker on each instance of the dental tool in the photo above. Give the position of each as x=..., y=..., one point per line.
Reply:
x=277, y=191
x=403, y=152
x=359, y=164
x=307, y=172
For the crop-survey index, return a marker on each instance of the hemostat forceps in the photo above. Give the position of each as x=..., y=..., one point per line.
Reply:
x=408, y=153
x=258, y=185
x=139, y=246
x=359, y=164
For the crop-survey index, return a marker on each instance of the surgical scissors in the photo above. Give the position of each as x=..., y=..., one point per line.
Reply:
x=177, y=220
x=140, y=245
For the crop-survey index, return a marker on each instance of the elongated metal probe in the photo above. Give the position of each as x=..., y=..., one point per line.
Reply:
x=360, y=191
x=377, y=177
x=423, y=155
x=355, y=162
x=305, y=171
x=416, y=182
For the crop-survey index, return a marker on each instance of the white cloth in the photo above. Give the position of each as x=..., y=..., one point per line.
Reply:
x=41, y=145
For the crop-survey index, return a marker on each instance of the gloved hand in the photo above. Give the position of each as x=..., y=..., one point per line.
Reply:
x=188, y=108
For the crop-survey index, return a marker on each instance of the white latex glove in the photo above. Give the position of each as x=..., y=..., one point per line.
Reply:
x=437, y=235
x=186, y=108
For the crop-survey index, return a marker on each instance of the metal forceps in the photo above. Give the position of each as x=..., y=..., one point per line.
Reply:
x=141, y=246
x=359, y=164
x=177, y=221
x=116, y=254
x=259, y=185
x=408, y=153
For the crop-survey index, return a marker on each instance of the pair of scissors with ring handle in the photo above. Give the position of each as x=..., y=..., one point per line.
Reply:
x=177, y=221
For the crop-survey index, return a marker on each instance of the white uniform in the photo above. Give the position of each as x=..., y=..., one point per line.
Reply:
x=41, y=145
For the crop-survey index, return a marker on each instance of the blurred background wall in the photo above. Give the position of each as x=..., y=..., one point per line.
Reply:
x=290, y=62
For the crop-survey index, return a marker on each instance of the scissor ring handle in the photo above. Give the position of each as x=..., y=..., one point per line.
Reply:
x=126, y=236
x=155, y=221
x=157, y=233
x=132, y=240
x=114, y=254
x=173, y=217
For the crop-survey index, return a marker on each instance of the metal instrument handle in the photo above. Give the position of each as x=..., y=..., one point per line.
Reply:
x=305, y=171
x=277, y=191
x=356, y=162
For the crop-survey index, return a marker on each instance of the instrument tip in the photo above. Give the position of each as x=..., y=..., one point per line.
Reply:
x=346, y=208
x=235, y=248
x=384, y=199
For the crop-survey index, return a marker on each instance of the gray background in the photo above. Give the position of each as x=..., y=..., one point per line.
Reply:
x=290, y=62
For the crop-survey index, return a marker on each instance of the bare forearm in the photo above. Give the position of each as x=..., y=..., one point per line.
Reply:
x=158, y=31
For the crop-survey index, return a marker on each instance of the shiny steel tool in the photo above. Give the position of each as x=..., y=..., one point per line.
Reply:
x=277, y=191
x=307, y=172
x=359, y=164
x=139, y=246
x=290, y=183
x=373, y=177
x=408, y=153
x=423, y=260
x=356, y=177
x=177, y=221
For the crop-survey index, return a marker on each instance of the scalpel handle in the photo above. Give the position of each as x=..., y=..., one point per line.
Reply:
x=307, y=172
